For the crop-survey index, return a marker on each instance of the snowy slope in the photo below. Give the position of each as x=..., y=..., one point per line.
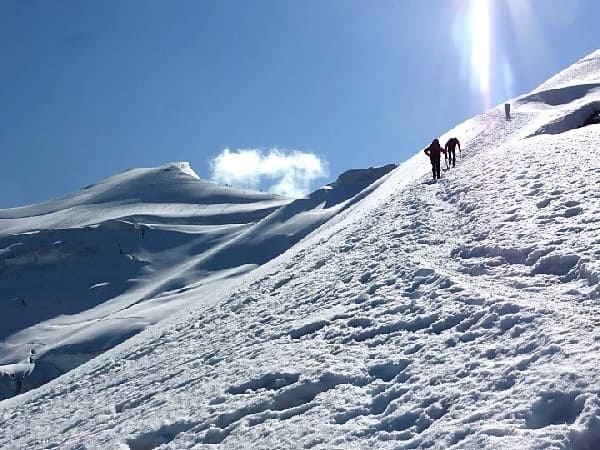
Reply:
x=173, y=191
x=80, y=274
x=461, y=314
x=83, y=273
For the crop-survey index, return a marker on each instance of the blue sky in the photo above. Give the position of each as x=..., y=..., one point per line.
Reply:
x=90, y=88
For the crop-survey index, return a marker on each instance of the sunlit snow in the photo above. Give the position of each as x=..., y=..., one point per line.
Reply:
x=383, y=311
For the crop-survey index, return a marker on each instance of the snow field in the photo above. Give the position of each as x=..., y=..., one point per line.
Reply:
x=458, y=314
x=58, y=302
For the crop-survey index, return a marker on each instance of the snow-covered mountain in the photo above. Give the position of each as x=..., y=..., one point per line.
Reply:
x=81, y=274
x=384, y=311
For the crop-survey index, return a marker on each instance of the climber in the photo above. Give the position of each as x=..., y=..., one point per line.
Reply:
x=450, y=148
x=434, y=152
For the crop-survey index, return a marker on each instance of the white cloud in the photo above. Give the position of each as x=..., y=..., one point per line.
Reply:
x=287, y=173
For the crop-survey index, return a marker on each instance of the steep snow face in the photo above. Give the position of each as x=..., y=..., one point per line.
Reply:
x=572, y=96
x=289, y=224
x=458, y=314
x=81, y=274
x=583, y=72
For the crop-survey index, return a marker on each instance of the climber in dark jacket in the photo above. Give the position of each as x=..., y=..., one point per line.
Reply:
x=451, y=151
x=434, y=152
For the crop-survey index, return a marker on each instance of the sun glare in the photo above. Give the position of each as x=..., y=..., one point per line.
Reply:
x=480, y=43
x=525, y=24
x=492, y=54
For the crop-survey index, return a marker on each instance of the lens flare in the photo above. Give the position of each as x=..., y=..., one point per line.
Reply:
x=532, y=50
x=480, y=35
x=500, y=43
x=473, y=38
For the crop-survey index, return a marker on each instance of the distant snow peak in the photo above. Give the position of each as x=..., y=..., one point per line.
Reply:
x=289, y=172
x=360, y=175
x=183, y=167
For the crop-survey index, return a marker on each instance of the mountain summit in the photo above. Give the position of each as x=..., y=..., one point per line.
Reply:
x=405, y=313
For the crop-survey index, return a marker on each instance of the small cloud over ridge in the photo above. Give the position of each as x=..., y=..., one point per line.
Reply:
x=287, y=173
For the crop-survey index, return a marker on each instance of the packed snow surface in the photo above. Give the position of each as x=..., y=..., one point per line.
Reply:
x=458, y=314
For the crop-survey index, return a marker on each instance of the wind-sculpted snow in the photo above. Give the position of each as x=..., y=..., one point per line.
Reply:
x=290, y=223
x=583, y=72
x=83, y=273
x=458, y=314
x=132, y=247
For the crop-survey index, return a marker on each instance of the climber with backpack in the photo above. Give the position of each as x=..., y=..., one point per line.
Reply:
x=434, y=152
